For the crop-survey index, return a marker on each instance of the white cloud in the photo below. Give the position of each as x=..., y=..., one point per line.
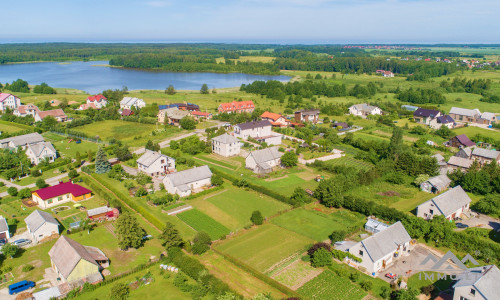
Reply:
x=157, y=3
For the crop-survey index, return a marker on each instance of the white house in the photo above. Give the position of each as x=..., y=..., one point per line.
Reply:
x=477, y=284
x=185, y=182
x=450, y=204
x=21, y=141
x=41, y=225
x=226, y=145
x=4, y=229
x=40, y=152
x=132, y=102
x=381, y=249
x=99, y=101
x=426, y=116
x=259, y=130
x=263, y=161
x=26, y=110
x=363, y=110
x=9, y=101
x=155, y=163
x=441, y=121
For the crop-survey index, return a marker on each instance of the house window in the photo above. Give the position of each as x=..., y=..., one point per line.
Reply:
x=473, y=292
x=49, y=202
x=463, y=298
x=360, y=252
x=59, y=198
x=431, y=212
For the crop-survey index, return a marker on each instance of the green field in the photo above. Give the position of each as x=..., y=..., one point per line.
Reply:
x=316, y=225
x=349, y=162
x=329, y=286
x=471, y=131
x=8, y=128
x=266, y=246
x=233, y=206
x=131, y=133
x=161, y=287
x=201, y=222
x=69, y=149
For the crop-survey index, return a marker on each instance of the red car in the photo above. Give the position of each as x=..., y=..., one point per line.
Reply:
x=390, y=275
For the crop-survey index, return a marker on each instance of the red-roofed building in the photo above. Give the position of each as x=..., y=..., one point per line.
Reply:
x=98, y=100
x=87, y=106
x=8, y=101
x=58, y=114
x=200, y=114
x=127, y=112
x=275, y=119
x=60, y=193
x=25, y=110
x=237, y=107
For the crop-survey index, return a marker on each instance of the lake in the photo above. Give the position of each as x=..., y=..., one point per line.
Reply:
x=92, y=78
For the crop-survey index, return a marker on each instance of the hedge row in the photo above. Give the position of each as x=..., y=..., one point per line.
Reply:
x=280, y=287
x=56, y=164
x=19, y=125
x=254, y=187
x=126, y=199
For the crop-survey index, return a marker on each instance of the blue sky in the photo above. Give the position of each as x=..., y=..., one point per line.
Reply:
x=270, y=21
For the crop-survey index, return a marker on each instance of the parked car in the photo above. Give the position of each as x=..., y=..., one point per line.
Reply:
x=462, y=225
x=3, y=242
x=20, y=286
x=390, y=275
x=22, y=242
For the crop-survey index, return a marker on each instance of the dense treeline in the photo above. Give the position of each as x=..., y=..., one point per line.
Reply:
x=460, y=85
x=201, y=62
x=420, y=96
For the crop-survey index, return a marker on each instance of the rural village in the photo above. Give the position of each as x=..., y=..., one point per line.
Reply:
x=348, y=184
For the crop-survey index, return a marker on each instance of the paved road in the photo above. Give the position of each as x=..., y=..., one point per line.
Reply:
x=50, y=181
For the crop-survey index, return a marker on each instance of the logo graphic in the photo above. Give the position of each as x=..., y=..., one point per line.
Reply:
x=439, y=264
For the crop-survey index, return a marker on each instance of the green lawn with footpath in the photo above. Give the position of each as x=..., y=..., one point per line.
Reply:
x=233, y=206
x=265, y=247
x=130, y=133
x=316, y=225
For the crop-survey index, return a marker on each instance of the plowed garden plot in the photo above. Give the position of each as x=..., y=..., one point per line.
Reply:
x=297, y=274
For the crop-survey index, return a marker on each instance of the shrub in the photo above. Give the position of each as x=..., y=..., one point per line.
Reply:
x=321, y=258
x=27, y=268
x=201, y=243
x=141, y=192
x=338, y=235
x=12, y=191
x=72, y=174
x=257, y=218
x=366, y=285
x=40, y=183
x=24, y=193
x=119, y=291
x=318, y=246
x=427, y=290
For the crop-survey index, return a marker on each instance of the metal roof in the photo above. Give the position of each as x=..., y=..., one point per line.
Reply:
x=179, y=179
x=451, y=200
x=37, y=218
x=385, y=242
x=254, y=124
x=225, y=139
x=149, y=157
x=265, y=155
x=465, y=112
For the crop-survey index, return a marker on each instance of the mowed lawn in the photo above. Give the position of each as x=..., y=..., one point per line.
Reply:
x=287, y=185
x=201, y=222
x=266, y=246
x=471, y=131
x=69, y=149
x=7, y=128
x=233, y=207
x=316, y=225
x=131, y=133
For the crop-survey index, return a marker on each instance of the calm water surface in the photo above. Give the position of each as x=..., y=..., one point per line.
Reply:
x=90, y=77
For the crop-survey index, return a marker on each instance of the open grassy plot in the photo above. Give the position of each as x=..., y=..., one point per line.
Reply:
x=288, y=184
x=162, y=287
x=419, y=280
x=201, y=222
x=316, y=225
x=233, y=206
x=8, y=128
x=471, y=131
x=67, y=148
x=239, y=280
x=131, y=133
x=349, y=162
x=328, y=286
x=265, y=247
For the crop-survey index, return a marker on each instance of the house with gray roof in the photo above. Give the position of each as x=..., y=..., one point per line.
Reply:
x=487, y=118
x=380, y=250
x=450, y=204
x=41, y=225
x=259, y=130
x=172, y=115
x=459, y=163
x=226, y=145
x=4, y=229
x=263, y=161
x=363, y=110
x=477, y=283
x=464, y=115
x=436, y=184
x=74, y=262
x=154, y=163
x=21, y=141
x=189, y=181
x=41, y=152
x=485, y=156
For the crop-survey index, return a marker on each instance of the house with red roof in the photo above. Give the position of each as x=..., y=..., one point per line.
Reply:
x=58, y=114
x=127, y=112
x=237, y=107
x=98, y=100
x=275, y=119
x=25, y=110
x=8, y=101
x=201, y=115
x=60, y=193
x=87, y=106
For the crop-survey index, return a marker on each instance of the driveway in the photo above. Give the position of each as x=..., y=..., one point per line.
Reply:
x=130, y=170
x=23, y=235
x=411, y=264
x=482, y=221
